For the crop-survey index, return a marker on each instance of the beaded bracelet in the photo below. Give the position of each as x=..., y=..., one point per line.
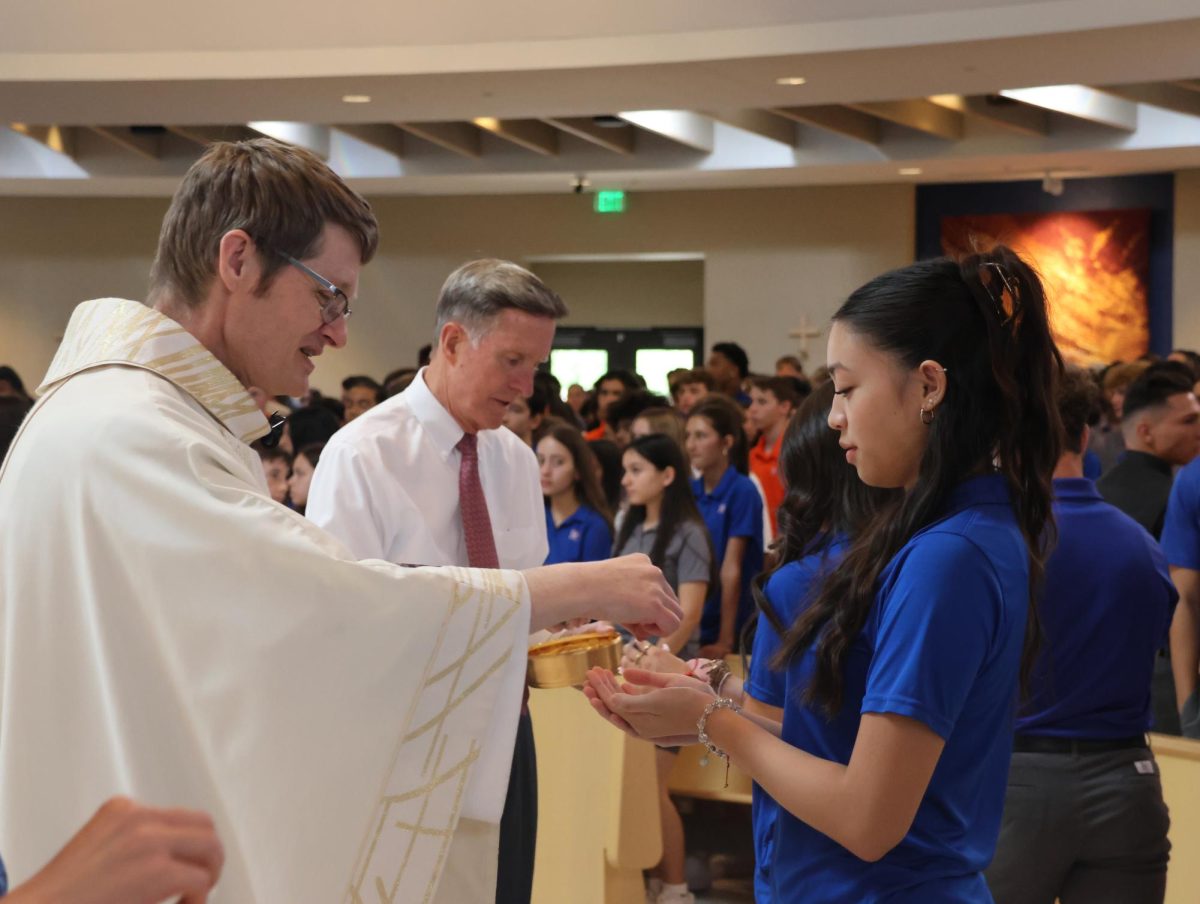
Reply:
x=702, y=730
x=714, y=671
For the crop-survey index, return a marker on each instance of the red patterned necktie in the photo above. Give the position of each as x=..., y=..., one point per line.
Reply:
x=477, y=525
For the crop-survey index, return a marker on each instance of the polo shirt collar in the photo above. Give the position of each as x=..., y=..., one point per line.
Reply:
x=441, y=426
x=763, y=452
x=576, y=517
x=722, y=486
x=1075, y=489
x=987, y=489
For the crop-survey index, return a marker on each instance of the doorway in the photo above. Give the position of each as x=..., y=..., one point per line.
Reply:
x=643, y=313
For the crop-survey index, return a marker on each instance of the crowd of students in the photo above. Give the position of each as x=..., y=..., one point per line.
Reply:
x=901, y=742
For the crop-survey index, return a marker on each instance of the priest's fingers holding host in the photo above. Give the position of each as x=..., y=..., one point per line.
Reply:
x=628, y=590
x=638, y=596
x=131, y=854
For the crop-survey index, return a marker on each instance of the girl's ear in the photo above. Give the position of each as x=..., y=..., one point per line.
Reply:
x=668, y=476
x=726, y=443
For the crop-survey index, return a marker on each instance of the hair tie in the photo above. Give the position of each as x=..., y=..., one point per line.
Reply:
x=1005, y=300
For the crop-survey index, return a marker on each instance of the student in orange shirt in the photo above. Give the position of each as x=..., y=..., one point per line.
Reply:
x=772, y=401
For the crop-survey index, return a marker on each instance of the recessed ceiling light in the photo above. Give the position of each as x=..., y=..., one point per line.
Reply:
x=910, y=171
x=356, y=98
x=791, y=80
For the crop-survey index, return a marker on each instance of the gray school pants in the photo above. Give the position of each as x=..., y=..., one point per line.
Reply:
x=1085, y=828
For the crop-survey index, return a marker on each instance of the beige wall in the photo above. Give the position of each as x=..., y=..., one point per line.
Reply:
x=771, y=257
x=1186, y=293
x=55, y=253
x=630, y=294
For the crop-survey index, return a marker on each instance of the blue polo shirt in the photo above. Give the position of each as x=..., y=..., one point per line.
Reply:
x=1105, y=610
x=942, y=645
x=1181, y=526
x=733, y=509
x=584, y=536
x=789, y=591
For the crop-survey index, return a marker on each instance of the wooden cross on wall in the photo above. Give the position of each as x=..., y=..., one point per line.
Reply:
x=804, y=332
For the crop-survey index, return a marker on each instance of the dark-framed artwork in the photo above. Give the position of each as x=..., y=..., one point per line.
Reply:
x=1103, y=247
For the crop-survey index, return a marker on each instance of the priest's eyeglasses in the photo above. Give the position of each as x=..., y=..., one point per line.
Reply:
x=336, y=304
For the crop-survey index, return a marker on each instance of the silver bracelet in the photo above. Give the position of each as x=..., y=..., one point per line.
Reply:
x=702, y=725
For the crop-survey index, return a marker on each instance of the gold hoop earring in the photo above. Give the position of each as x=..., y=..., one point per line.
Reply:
x=926, y=416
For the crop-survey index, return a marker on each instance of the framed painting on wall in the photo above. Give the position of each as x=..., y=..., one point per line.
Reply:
x=1094, y=267
x=1104, y=248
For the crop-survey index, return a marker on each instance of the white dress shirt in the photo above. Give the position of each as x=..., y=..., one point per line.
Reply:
x=387, y=486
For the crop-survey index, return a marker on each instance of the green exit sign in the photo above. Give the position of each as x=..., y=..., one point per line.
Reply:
x=610, y=202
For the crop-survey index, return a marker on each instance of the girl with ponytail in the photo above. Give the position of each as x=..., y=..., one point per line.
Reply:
x=824, y=507
x=903, y=671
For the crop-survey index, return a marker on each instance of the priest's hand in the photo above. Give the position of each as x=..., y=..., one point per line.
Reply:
x=131, y=854
x=628, y=590
x=583, y=626
x=654, y=706
x=631, y=591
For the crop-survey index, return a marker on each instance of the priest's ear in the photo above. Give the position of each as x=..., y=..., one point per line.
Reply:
x=237, y=264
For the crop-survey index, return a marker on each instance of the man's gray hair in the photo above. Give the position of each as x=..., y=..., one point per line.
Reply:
x=476, y=293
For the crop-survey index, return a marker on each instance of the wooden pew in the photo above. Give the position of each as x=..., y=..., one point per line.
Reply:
x=1179, y=764
x=598, y=824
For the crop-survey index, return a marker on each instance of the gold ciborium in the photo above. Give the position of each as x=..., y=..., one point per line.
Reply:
x=564, y=661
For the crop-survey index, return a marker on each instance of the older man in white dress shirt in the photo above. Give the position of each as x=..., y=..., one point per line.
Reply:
x=391, y=484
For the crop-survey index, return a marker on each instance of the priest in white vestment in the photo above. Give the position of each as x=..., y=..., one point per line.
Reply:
x=171, y=633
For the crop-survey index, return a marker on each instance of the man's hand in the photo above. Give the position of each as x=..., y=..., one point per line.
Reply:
x=635, y=594
x=130, y=854
x=628, y=590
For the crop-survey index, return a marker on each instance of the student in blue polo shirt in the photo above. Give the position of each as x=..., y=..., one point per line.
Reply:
x=824, y=504
x=903, y=671
x=578, y=524
x=733, y=512
x=1181, y=544
x=1084, y=819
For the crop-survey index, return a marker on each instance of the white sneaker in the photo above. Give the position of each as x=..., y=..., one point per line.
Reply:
x=653, y=890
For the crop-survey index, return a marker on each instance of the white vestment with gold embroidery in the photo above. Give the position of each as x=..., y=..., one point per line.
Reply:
x=170, y=633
